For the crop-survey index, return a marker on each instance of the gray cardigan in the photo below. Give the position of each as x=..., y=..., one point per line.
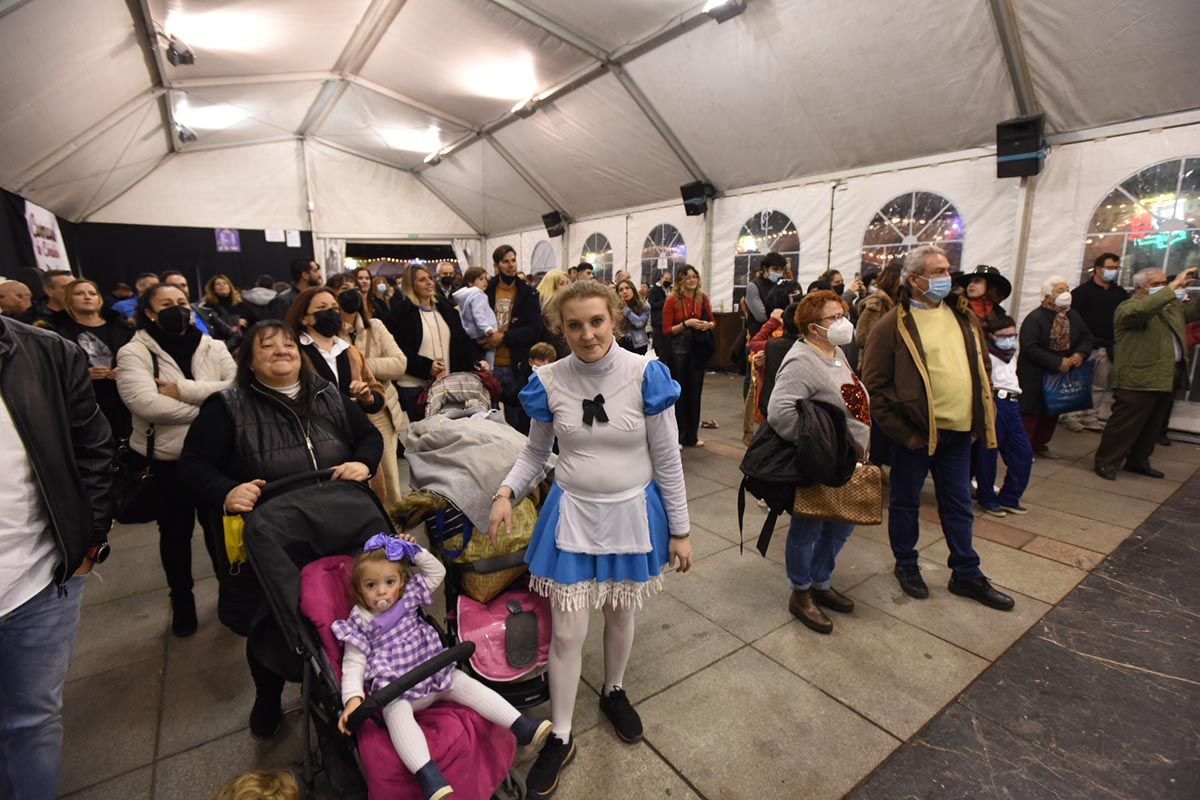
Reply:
x=807, y=375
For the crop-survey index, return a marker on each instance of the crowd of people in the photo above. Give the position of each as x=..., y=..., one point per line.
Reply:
x=912, y=367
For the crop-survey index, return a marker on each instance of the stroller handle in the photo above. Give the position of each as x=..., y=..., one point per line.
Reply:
x=281, y=485
x=459, y=652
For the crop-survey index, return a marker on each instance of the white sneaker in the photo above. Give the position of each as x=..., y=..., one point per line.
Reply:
x=1072, y=424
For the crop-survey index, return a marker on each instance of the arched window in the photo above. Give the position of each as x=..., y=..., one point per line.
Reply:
x=544, y=258
x=766, y=231
x=597, y=251
x=911, y=219
x=1150, y=220
x=663, y=251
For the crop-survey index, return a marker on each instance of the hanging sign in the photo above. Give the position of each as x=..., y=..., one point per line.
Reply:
x=228, y=240
x=293, y=238
x=48, y=249
x=274, y=234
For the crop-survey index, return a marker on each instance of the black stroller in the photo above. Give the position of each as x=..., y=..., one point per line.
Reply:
x=299, y=539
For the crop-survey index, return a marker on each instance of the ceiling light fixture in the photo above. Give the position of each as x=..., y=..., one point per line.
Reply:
x=526, y=109
x=722, y=10
x=186, y=134
x=177, y=52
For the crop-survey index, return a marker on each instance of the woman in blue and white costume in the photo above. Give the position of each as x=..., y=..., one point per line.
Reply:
x=617, y=513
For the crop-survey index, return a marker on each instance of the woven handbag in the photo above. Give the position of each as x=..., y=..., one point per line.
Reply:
x=859, y=500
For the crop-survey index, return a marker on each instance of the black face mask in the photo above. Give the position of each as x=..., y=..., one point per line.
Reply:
x=666, y=284
x=351, y=302
x=507, y=279
x=327, y=322
x=175, y=319
x=839, y=289
x=447, y=281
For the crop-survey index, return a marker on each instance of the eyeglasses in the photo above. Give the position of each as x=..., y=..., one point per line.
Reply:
x=835, y=318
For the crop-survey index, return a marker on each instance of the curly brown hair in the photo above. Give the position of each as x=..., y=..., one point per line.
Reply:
x=584, y=290
x=809, y=309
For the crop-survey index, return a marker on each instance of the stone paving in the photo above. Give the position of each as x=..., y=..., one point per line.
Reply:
x=738, y=699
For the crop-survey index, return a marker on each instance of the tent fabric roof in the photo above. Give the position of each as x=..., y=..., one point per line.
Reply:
x=637, y=96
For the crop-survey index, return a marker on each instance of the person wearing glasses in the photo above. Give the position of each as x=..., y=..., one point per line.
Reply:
x=816, y=369
x=926, y=367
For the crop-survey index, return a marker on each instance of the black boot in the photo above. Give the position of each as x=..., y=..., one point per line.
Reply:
x=183, y=614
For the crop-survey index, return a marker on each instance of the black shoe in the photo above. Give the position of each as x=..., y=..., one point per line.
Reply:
x=265, y=717
x=542, y=780
x=620, y=713
x=981, y=590
x=911, y=581
x=1106, y=473
x=183, y=614
x=1148, y=471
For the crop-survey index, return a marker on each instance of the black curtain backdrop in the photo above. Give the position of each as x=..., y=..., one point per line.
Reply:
x=110, y=253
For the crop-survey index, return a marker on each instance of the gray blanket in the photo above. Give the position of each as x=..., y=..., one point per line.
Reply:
x=464, y=460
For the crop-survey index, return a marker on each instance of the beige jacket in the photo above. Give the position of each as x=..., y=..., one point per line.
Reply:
x=213, y=369
x=387, y=362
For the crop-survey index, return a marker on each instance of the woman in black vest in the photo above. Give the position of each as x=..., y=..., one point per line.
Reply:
x=278, y=419
x=316, y=320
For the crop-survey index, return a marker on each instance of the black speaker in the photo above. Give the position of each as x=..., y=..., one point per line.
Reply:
x=1019, y=147
x=555, y=224
x=695, y=197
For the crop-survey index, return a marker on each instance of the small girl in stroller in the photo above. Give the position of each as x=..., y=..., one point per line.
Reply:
x=386, y=637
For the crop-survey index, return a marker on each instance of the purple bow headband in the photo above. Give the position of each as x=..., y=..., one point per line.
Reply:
x=394, y=547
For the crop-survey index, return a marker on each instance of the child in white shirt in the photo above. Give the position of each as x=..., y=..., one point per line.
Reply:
x=478, y=318
x=1011, y=438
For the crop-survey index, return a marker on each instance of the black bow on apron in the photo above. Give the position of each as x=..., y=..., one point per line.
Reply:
x=594, y=410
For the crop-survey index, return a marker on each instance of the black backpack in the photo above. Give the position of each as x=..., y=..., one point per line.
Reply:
x=771, y=474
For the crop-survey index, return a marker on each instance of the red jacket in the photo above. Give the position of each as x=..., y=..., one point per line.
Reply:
x=673, y=312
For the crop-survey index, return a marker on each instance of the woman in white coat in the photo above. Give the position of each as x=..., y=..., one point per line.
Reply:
x=386, y=361
x=164, y=401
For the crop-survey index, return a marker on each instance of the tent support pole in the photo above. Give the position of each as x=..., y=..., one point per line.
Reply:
x=88, y=214
x=526, y=176
x=660, y=124
x=551, y=27
x=1028, y=188
x=1014, y=55
x=143, y=25
x=421, y=179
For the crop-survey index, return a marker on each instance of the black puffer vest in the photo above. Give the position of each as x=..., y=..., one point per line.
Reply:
x=274, y=439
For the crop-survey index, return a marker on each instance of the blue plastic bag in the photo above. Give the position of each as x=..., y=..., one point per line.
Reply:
x=1069, y=391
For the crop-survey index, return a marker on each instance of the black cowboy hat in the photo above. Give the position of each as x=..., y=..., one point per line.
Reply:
x=994, y=279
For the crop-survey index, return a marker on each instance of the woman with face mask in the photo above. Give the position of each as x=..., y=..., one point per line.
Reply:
x=164, y=373
x=816, y=369
x=1054, y=338
x=316, y=319
x=373, y=291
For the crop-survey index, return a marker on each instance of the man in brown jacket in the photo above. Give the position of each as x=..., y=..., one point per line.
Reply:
x=927, y=369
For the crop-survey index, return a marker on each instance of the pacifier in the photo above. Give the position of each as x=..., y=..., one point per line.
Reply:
x=381, y=604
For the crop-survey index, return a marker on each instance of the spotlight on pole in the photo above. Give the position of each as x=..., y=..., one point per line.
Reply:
x=722, y=10
x=186, y=134
x=179, y=53
x=526, y=109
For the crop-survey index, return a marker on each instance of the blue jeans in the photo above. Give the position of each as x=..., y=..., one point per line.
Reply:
x=514, y=412
x=1014, y=447
x=37, y=640
x=812, y=546
x=951, y=468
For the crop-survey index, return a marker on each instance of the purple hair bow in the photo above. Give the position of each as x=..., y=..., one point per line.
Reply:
x=394, y=547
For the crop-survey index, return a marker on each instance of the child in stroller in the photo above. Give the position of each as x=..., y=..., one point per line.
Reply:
x=385, y=637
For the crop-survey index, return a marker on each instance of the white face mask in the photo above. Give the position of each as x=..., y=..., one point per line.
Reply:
x=1063, y=300
x=840, y=333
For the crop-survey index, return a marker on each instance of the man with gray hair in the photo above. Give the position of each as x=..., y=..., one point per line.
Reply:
x=1151, y=363
x=926, y=367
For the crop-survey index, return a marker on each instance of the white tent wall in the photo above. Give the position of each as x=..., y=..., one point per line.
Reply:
x=1076, y=179
x=530, y=239
x=989, y=208
x=357, y=198
x=639, y=225
x=808, y=208
x=257, y=186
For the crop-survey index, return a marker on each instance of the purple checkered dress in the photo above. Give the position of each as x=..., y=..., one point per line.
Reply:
x=392, y=653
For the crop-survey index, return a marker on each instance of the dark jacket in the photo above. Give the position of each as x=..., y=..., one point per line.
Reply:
x=656, y=299
x=782, y=295
x=345, y=372
x=775, y=350
x=106, y=390
x=526, y=326
x=283, y=301
x=1098, y=307
x=895, y=376
x=1035, y=357
x=44, y=382
x=404, y=323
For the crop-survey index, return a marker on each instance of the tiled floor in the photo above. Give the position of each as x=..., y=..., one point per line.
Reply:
x=739, y=700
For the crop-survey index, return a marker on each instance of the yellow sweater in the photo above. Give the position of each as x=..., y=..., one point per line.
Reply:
x=946, y=362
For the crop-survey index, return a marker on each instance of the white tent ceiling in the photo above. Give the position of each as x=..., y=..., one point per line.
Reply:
x=301, y=104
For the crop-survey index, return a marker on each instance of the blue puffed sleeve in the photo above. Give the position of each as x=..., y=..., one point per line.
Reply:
x=659, y=389
x=535, y=401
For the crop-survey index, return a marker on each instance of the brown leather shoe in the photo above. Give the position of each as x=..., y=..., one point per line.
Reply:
x=833, y=600
x=803, y=608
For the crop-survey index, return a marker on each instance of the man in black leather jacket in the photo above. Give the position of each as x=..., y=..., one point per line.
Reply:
x=56, y=453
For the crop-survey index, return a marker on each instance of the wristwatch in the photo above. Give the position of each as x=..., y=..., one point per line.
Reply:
x=99, y=553
x=498, y=494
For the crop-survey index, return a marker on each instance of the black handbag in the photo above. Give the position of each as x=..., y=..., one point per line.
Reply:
x=133, y=487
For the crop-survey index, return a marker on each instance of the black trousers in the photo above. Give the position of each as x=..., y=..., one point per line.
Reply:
x=690, y=376
x=176, y=521
x=1133, y=429
x=662, y=348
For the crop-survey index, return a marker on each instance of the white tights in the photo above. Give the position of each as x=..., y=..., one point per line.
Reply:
x=566, y=658
x=406, y=735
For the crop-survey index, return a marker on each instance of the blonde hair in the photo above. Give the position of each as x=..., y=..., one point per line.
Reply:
x=376, y=556
x=274, y=784
x=548, y=287
x=584, y=290
x=677, y=286
x=210, y=294
x=71, y=290
x=409, y=276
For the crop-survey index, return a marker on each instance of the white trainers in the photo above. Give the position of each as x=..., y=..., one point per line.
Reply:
x=1072, y=424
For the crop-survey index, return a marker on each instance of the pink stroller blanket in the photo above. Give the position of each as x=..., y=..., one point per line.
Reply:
x=472, y=753
x=484, y=624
